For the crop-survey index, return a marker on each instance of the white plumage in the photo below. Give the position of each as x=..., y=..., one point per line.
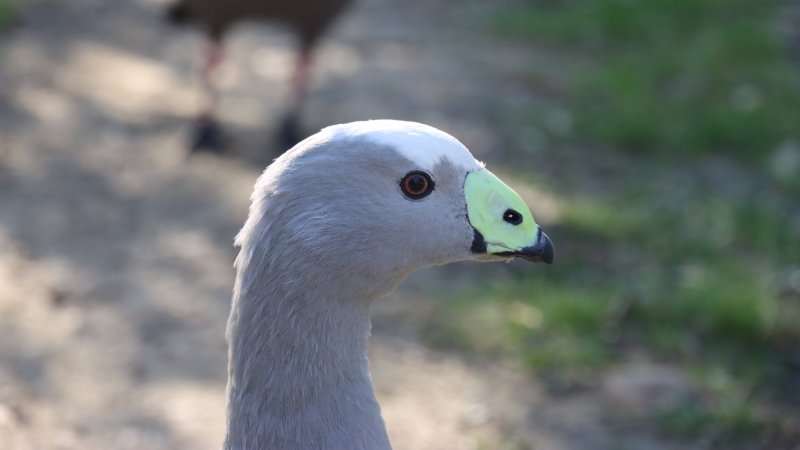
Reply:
x=335, y=223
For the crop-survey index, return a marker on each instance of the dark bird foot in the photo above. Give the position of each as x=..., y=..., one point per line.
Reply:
x=289, y=133
x=208, y=137
x=178, y=13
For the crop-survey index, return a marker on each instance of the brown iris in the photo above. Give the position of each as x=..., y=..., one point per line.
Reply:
x=416, y=185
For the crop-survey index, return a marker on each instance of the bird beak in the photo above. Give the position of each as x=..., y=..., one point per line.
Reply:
x=503, y=224
x=541, y=251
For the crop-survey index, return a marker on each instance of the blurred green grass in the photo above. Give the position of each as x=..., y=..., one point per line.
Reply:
x=671, y=75
x=5, y=13
x=684, y=257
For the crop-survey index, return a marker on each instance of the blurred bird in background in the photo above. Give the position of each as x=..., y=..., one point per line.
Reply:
x=308, y=19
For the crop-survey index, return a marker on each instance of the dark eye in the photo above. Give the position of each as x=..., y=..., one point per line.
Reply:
x=416, y=185
x=512, y=217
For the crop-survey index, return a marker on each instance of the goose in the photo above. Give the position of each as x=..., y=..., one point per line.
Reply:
x=335, y=223
x=308, y=19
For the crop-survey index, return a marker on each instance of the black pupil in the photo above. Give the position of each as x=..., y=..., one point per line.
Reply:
x=417, y=184
x=512, y=217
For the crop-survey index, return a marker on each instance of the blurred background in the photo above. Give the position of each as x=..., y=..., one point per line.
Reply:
x=657, y=141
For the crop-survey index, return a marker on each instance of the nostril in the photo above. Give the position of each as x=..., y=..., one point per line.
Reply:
x=512, y=217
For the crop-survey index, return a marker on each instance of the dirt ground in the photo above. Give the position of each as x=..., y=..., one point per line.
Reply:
x=116, y=249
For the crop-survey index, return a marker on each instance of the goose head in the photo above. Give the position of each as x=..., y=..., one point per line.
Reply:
x=336, y=222
x=359, y=206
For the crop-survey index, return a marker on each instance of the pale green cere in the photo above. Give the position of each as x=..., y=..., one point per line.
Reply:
x=488, y=198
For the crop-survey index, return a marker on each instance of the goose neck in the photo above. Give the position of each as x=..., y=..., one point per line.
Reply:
x=298, y=374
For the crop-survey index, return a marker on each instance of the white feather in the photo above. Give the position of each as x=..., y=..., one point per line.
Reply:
x=422, y=144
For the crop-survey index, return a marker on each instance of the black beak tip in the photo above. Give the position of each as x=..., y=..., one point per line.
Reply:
x=542, y=251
